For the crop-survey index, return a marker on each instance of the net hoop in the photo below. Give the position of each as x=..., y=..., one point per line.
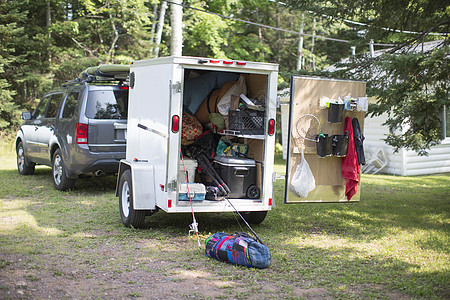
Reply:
x=303, y=135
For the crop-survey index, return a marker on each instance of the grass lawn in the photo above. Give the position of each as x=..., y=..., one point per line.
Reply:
x=393, y=244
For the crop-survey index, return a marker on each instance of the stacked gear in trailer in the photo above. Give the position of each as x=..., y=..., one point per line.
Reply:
x=217, y=114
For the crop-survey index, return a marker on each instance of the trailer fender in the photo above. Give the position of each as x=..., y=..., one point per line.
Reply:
x=142, y=183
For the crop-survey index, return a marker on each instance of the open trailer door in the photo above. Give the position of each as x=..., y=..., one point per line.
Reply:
x=152, y=146
x=314, y=127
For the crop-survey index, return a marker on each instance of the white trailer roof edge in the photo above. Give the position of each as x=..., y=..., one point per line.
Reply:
x=202, y=62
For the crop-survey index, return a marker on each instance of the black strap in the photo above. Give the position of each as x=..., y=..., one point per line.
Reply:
x=208, y=101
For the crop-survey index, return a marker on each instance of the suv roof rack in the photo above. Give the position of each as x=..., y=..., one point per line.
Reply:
x=102, y=73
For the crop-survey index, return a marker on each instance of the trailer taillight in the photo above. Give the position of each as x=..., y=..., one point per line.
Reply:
x=81, y=133
x=241, y=63
x=271, y=126
x=214, y=61
x=169, y=203
x=227, y=62
x=175, y=123
x=124, y=88
x=270, y=201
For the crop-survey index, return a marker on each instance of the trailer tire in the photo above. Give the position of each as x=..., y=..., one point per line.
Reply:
x=129, y=216
x=254, y=217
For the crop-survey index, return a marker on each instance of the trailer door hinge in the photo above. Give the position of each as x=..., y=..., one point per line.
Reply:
x=176, y=87
x=172, y=186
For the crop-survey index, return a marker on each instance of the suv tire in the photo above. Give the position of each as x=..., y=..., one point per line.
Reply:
x=129, y=216
x=59, y=176
x=23, y=166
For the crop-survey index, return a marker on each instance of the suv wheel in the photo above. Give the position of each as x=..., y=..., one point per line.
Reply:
x=60, y=179
x=129, y=216
x=23, y=166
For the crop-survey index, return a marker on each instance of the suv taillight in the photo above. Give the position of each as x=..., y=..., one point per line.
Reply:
x=81, y=133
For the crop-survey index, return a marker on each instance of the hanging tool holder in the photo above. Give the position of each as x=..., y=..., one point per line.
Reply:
x=330, y=101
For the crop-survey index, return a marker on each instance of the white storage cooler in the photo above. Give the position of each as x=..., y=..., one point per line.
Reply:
x=196, y=190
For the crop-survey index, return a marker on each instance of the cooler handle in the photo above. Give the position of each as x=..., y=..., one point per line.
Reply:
x=240, y=171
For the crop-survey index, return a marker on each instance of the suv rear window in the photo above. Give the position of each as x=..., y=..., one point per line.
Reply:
x=107, y=105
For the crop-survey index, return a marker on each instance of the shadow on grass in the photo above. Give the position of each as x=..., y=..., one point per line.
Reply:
x=14, y=184
x=385, y=207
x=388, y=204
x=348, y=271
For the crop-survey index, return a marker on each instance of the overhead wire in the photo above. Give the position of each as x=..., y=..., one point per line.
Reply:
x=364, y=24
x=298, y=33
x=258, y=24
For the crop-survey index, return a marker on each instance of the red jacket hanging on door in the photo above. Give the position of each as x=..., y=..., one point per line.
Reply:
x=350, y=167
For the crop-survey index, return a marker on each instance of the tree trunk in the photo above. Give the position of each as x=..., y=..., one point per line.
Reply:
x=313, y=62
x=155, y=11
x=152, y=34
x=159, y=27
x=300, y=44
x=176, y=45
x=115, y=38
x=48, y=23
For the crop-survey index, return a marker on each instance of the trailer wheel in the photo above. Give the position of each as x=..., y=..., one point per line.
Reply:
x=129, y=216
x=254, y=217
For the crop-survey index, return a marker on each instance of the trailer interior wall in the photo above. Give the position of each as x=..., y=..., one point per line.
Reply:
x=256, y=89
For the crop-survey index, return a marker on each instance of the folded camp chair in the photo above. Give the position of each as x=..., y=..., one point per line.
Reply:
x=376, y=163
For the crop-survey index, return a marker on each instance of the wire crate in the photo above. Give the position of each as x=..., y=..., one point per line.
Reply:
x=246, y=122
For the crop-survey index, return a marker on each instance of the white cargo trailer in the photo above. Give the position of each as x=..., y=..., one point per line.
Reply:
x=148, y=178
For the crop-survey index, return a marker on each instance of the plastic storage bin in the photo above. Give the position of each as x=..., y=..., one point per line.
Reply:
x=246, y=121
x=196, y=190
x=324, y=145
x=240, y=176
x=335, y=112
x=191, y=166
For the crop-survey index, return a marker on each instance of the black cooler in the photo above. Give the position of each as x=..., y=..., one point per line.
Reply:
x=240, y=176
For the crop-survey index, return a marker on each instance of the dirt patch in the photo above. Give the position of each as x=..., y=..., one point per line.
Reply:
x=146, y=268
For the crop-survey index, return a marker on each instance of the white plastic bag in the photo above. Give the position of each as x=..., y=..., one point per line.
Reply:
x=239, y=88
x=303, y=180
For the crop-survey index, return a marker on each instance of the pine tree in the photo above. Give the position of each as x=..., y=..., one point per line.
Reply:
x=412, y=87
x=10, y=33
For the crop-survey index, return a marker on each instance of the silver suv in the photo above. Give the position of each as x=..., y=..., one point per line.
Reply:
x=78, y=129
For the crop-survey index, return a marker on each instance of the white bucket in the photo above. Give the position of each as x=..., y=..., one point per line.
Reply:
x=191, y=166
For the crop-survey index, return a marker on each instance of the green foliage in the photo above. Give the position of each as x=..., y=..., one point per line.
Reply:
x=10, y=36
x=39, y=53
x=412, y=88
x=418, y=90
x=207, y=33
